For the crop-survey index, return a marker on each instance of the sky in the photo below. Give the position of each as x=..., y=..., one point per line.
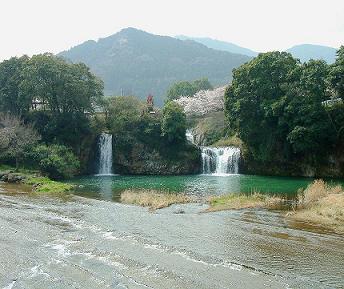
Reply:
x=37, y=26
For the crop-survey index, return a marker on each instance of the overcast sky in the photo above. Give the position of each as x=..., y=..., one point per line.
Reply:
x=36, y=26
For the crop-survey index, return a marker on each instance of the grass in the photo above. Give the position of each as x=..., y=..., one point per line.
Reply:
x=321, y=204
x=153, y=199
x=243, y=201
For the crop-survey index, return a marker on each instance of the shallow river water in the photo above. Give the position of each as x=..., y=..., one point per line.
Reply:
x=89, y=243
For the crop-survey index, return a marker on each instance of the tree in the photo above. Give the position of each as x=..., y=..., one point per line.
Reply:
x=48, y=83
x=309, y=128
x=11, y=101
x=123, y=113
x=173, y=125
x=186, y=88
x=54, y=95
x=255, y=100
x=275, y=106
x=16, y=137
x=60, y=87
x=336, y=75
x=202, y=84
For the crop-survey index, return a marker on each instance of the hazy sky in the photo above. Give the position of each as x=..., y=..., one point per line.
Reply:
x=35, y=26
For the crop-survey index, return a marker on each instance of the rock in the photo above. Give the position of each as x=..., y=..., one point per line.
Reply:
x=12, y=177
x=179, y=211
x=141, y=160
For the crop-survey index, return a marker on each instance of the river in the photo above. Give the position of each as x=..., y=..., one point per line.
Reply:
x=96, y=243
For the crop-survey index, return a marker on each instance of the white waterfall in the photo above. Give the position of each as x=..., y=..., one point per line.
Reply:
x=189, y=136
x=105, y=154
x=220, y=161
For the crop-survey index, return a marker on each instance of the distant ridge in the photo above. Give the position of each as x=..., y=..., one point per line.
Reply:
x=306, y=52
x=220, y=45
x=138, y=63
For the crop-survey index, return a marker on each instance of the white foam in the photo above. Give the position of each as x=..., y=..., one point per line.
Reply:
x=10, y=286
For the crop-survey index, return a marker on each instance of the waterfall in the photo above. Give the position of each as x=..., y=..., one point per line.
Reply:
x=189, y=136
x=220, y=161
x=105, y=154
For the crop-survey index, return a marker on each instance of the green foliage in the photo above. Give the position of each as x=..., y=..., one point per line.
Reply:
x=173, y=125
x=11, y=98
x=123, y=113
x=275, y=106
x=56, y=161
x=186, y=88
x=49, y=83
x=336, y=76
x=54, y=96
x=65, y=128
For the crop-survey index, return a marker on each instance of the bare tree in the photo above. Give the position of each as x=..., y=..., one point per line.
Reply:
x=16, y=137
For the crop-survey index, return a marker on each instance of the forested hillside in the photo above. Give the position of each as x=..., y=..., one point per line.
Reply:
x=134, y=62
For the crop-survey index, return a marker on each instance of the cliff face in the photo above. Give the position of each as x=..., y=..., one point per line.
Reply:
x=141, y=160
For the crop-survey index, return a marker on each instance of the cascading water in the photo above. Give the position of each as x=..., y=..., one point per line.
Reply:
x=220, y=161
x=189, y=136
x=105, y=154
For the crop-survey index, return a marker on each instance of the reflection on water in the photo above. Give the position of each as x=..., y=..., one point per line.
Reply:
x=105, y=188
x=110, y=187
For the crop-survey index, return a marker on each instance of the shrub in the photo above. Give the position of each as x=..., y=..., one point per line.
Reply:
x=153, y=199
x=56, y=161
x=315, y=192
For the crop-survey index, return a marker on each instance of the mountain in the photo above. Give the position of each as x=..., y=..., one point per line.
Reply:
x=220, y=45
x=306, y=52
x=138, y=63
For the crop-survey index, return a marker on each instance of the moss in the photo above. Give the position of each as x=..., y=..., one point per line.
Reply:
x=43, y=185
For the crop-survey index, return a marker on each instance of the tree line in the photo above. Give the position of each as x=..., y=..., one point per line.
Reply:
x=44, y=104
x=288, y=111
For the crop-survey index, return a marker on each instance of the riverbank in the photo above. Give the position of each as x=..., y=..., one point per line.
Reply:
x=321, y=204
x=34, y=180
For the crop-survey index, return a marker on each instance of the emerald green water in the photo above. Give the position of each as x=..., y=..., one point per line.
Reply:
x=110, y=187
